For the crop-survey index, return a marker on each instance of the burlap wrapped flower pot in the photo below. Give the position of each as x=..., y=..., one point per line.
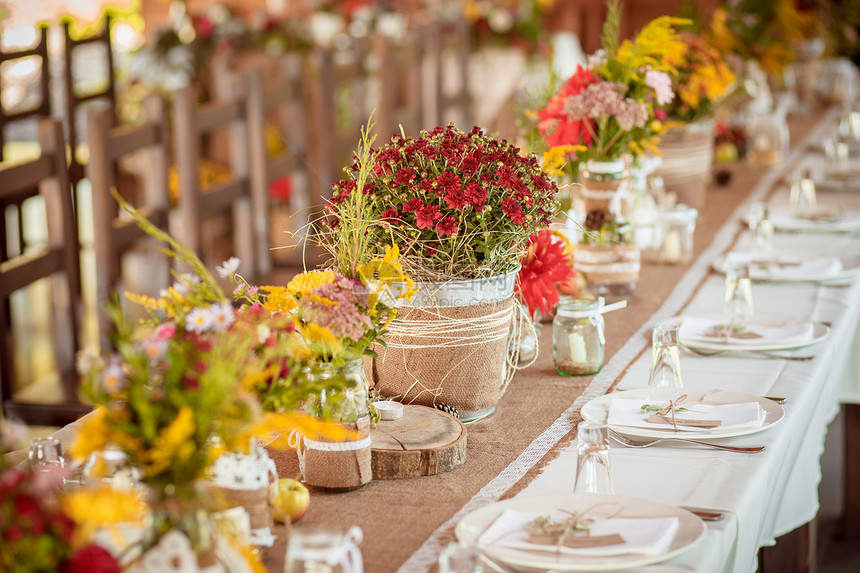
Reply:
x=450, y=348
x=688, y=154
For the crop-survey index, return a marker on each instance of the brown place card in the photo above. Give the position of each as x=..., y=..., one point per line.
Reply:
x=744, y=335
x=577, y=541
x=658, y=419
x=766, y=263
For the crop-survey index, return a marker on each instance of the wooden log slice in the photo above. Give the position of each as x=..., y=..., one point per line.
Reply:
x=424, y=442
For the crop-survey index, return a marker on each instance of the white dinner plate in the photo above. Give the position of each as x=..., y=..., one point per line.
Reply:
x=850, y=269
x=819, y=333
x=470, y=528
x=598, y=410
x=839, y=223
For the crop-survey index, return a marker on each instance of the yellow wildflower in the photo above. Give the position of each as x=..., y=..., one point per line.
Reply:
x=103, y=507
x=278, y=299
x=320, y=339
x=173, y=443
x=307, y=282
x=556, y=158
x=276, y=429
x=95, y=433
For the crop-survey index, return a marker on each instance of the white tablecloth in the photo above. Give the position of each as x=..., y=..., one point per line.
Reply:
x=776, y=491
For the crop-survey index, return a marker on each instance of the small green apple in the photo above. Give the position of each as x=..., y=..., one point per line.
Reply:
x=726, y=152
x=289, y=499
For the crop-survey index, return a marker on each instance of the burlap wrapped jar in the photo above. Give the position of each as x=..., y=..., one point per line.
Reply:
x=450, y=346
x=339, y=465
x=606, y=255
x=688, y=154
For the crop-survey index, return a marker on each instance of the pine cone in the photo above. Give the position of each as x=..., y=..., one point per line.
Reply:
x=448, y=409
x=594, y=219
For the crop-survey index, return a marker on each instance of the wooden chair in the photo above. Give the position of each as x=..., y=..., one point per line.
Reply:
x=339, y=110
x=279, y=105
x=447, y=50
x=75, y=100
x=58, y=260
x=400, y=84
x=42, y=108
x=116, y=235
x=197, y=207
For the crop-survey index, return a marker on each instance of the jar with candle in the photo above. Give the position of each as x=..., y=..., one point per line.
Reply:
x=577, y=337
x=767, y=138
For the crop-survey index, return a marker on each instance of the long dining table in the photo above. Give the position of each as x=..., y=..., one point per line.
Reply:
x=527, y=447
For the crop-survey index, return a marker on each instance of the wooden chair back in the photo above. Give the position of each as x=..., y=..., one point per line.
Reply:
x=191, y=122
x=340, y=109
x=400, y=84
x=58, y=261
x=42, y=108
x=448, y=48
x=114, y=233
x=279, y=107
x=75, y=99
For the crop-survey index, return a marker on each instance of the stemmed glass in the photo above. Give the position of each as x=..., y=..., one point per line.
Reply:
x=738, y=299
x=802, y=200
x=761, y=228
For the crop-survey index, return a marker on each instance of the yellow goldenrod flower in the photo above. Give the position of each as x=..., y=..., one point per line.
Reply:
x=173, y=443
x=278, y=299
x=103, y=507
x=96, y=433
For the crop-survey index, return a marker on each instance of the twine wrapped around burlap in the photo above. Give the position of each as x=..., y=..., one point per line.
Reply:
x=611, y=197
x=450, y=355
x=607, y=264
x=688, y=154
x=337, y=465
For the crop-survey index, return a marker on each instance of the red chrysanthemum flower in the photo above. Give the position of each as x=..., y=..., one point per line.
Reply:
x=457, y=198
x=513, y=210
x=92, y=559
x=427, y=215
x=412, y=205
x=545, y=265
x=447, y=227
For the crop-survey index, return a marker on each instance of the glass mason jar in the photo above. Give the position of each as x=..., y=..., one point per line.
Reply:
x=607, y=255
x=185, y=510
x=577, y=337
x=330, y=464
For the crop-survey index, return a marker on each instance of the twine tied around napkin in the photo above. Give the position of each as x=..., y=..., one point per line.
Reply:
x=573, y=531
x=666, y=415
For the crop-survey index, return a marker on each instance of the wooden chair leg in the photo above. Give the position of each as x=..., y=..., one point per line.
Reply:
x=851, y=482
x=793, y=552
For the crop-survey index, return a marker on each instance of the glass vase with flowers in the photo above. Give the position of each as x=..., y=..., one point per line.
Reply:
x=601, y=117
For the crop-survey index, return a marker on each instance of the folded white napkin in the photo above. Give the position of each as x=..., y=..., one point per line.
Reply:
x=628, y=412
x=642, y=536
x=766, y=267
x=838, y=222
x=702, y=329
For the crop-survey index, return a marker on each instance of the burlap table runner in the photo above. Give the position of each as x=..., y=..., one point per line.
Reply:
x=398, y=515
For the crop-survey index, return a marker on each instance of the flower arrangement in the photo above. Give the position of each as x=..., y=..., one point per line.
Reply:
x=704, y=79
x=458, y=205
x=765, y=31
x=548, y=263
x=184, y=389
x=608, y=108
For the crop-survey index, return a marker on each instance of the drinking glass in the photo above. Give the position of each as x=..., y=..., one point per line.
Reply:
x=592, y=458
x=46, y=455
x=738, y=300
x=665, y=359
x=761, y=228
x=110, y=467
x=324, y=551
x=802, y=200
x=460, y=558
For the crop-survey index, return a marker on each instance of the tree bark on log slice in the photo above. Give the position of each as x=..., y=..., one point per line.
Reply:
x=424, y=442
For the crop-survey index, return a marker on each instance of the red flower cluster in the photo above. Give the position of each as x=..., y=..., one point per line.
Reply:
x=545, y=265
x=454, y=202
x=555, y=123
x=34, y=534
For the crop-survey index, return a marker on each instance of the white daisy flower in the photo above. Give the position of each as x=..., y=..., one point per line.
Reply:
x=222, y=316
x=199, y=320
x=113, y=377
x=229, y=267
